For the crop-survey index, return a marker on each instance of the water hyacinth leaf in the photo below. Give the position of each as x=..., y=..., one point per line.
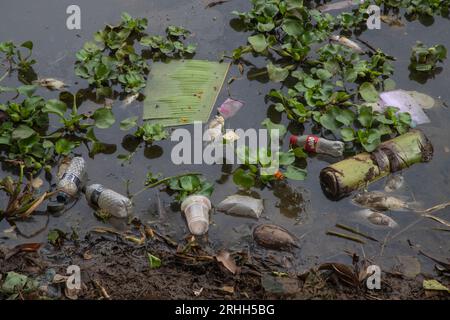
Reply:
x=295, y=173
x=274, y=126
x=258, y=42
x=348, y=134
x=104, y=118
x=277, y=74
x=128, y=123
x=26, y=90
x=368, y=92
x=243, y=179
x=56, y=107
x=64, y=146
x=329, y=122
x=22, y=132
x=182, y=92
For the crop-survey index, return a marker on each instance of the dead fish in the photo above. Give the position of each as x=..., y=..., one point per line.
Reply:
x=380, y=201
x=347, y=42
x=130, y=99
x=394, y=182
x=274, y=237
x=378, y=218
x=336, y=6
x=243, y=206
x=50, y=83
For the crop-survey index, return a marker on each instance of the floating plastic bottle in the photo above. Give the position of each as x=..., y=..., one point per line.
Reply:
x=315, y=144
x=196, y=209
x=112, y=202
x=72, y=180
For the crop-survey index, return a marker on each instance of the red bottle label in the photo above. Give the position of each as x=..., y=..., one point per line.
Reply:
x=311, y=143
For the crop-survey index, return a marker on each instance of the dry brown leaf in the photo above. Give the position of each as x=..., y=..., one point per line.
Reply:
x=58, y=278
x=225, y=258
x=229, y=289
x=34, y=206
x=87, y=255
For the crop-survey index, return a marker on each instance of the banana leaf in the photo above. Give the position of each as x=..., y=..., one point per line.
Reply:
x=183, y=91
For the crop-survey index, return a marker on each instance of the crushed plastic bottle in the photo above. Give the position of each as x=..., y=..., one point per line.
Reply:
x=112, y=202
x=315, y=144
x=196, y=209
x=72, y=180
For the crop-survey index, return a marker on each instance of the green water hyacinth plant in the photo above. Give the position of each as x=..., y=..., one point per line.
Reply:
x=425, y=59
x=325, y=81
x=112, y=59
x=13, y=57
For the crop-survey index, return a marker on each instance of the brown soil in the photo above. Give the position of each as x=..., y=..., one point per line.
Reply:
x=119, y=269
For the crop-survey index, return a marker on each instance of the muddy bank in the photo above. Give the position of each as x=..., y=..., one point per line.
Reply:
x=116, y=268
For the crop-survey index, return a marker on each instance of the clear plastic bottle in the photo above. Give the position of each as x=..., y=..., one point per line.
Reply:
x=196, y=209
x=72, y=180
x=315, y=144
x=112, y=202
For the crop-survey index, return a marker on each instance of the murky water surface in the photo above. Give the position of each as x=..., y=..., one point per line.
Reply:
x=300, y=207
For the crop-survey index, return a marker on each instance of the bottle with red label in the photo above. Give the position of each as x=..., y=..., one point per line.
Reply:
x=315, y=144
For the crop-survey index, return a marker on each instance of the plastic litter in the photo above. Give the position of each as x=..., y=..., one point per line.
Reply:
x=412, y=102
x=243, y=206
x=229, y=108
x=72, y=180
x=196, y=209
x=342, y=178
x=112, y=202
x=315, y=144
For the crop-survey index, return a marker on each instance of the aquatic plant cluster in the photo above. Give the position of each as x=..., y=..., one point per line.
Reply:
x=336, y=85
x=110, y=60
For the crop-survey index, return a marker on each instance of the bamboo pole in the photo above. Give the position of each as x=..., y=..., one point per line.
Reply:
x=340, y=179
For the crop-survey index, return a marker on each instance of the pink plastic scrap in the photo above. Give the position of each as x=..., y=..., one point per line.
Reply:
x=230, y=107
x=405, y=102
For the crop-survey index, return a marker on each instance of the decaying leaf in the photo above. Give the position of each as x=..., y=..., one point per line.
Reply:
x=25, y=247
x=434, y=285
x=344, y=273
x=225, y=258
x=229, y=289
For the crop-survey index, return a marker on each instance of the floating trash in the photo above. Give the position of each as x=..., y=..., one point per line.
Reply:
x=196, y=209
x=243, y=206
x=108, y=200
x=315, y=144
x=342, y=178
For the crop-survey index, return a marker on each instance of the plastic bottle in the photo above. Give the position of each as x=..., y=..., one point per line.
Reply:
x=72, y=180
x=112, y=202
x=196, y=209
x=315, y=144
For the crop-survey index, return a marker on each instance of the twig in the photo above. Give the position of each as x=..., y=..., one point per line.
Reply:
x=350, y=229
x=345, y=236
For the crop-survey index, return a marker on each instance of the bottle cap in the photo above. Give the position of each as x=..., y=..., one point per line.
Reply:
x=293, y=140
